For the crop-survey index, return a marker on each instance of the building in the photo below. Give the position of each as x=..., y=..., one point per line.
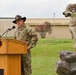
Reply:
x=60, y=26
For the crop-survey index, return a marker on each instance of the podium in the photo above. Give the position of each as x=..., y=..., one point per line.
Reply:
x=10, y=56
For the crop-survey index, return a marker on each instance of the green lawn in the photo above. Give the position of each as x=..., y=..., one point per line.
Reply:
x=45, y=55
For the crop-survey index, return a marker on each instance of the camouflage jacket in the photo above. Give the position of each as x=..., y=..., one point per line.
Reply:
x=25, y=33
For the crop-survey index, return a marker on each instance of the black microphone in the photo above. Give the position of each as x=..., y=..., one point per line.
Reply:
x=9, y=29
x=13, y=27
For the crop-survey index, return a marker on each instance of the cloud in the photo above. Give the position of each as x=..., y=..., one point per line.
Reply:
x=33, y=8
x=72, y=1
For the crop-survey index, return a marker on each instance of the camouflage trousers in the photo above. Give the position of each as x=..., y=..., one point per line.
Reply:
x=26, y=64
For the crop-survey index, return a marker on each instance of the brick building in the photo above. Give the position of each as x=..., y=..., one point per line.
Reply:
x=60, y=26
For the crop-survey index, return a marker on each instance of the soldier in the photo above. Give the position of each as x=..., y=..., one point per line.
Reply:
x=25, y=33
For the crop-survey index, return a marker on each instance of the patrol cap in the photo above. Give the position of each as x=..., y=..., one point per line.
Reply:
x=18, y=17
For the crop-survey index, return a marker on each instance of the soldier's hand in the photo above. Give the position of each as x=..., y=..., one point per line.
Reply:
x=28, y=48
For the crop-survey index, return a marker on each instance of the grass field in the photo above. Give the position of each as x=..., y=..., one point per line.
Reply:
x=45, y=55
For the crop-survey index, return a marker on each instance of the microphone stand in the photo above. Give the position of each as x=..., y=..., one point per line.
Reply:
x=4, y=32
x=2, y=35
x=9, y=29
x=0, y=42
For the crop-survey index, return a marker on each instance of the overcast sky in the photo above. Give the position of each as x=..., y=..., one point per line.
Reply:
x=34, y=8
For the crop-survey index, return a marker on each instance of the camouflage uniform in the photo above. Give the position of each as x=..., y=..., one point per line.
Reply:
x=25, y=33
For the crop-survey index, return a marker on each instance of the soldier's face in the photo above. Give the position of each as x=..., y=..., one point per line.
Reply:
x=20, y=23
